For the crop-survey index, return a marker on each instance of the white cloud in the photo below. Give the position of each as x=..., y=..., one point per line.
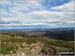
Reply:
x=66, y=7
x=34, y=17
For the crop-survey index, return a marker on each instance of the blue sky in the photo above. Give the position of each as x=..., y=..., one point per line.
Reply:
x=20, y=14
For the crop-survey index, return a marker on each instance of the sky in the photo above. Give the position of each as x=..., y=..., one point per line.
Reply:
x=21, y=14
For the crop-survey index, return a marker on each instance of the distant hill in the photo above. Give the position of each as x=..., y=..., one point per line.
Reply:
x=66, y=34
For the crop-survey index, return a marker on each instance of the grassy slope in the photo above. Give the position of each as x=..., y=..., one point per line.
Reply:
x=9, y=43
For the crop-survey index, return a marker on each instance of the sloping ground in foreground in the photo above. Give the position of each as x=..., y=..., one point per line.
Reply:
x=33, y=45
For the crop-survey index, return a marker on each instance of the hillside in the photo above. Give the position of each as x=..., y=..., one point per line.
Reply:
x=32, y=45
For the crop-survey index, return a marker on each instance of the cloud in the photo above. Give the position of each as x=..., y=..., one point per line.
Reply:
x=23, y=14
x=66, y=7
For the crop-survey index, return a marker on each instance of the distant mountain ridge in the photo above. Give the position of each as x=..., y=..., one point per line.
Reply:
x=66, y=34
x=60, y=28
